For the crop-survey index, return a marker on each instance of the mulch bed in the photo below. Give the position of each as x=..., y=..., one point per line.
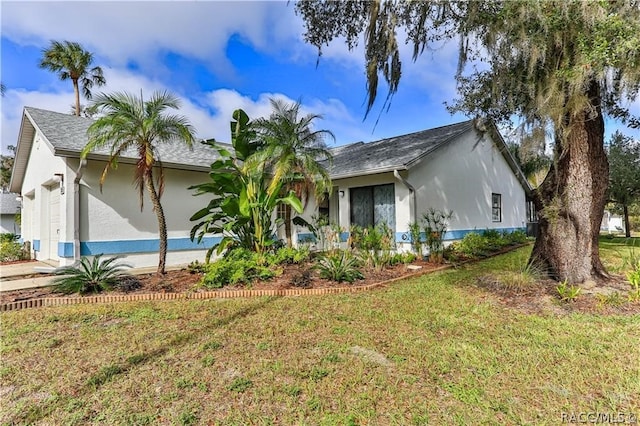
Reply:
x=185, y=281
x=541, y=297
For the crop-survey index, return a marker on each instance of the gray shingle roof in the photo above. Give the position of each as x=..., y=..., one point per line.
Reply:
x=398, y=152
x=68, y=135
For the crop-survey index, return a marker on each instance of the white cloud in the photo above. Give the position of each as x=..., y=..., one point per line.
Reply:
x=210, y=115
x=141, y=31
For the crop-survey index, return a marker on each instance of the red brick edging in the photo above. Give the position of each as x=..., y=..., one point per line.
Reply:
x=224, y=294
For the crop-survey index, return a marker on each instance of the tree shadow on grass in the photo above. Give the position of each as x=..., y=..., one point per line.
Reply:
x=37, y=412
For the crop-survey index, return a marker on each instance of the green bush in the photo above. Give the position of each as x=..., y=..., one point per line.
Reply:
x=289, y=255
x=516, y=237
x=7, y=237
x=239, y=266
x=473, y=245
x=495, y=239
x=90, y=275
x=340, y=266
x=11, y=251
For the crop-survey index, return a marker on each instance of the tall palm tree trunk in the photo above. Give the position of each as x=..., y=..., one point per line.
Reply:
x=76, y=92
x=287, y=225
x=162, y=223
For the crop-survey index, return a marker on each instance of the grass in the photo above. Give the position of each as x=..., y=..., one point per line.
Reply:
x=435, y=349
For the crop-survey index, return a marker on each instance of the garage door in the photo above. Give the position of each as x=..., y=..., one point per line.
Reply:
x=54, y=221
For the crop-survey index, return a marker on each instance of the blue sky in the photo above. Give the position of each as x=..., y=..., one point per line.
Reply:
x=217, y=57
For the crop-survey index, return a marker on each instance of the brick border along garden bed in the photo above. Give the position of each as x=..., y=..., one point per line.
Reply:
x=225, y=294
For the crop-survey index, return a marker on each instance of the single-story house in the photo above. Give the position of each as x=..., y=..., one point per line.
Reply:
x=9, y=207
x=612, y=223
x=64, y=213
x=463, y=167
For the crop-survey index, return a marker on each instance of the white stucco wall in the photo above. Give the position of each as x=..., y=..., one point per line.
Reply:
x=36, y=187
x=461, y=177
x=111, y=220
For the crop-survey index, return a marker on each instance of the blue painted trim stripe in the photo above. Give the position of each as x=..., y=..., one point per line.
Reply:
x=89, y=248
x=65, y=249
x=458, y=234
x=405, y=237
x=307, y=237
x=36, y=245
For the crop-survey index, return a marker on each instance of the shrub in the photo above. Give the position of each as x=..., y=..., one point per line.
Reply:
x=90, y=275
x=7, y=237
x=289, y=255
x=416, y=238
x=11, y=251
x=436, y=223
x=340, y=266
x=516, y=237
x=494, y=239
x=239, y=266
x=473, y=245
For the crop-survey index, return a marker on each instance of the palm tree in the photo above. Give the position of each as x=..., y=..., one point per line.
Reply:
x=294, y=152
x=71, y=62
x=128, y=122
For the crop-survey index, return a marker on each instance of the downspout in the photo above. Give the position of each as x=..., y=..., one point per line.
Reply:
x=76, y=209
x=411, y=189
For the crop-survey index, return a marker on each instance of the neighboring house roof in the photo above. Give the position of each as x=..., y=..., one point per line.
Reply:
x=9, y=203
x=402, y=152
x=66, y=135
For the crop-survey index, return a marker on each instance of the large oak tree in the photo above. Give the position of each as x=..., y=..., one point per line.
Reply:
x=558, y=65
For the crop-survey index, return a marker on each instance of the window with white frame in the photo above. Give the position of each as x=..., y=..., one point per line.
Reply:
x=496, y=207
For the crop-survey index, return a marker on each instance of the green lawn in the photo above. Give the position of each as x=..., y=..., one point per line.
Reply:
x=435, y=349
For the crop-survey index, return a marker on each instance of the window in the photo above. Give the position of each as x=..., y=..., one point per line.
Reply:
x=496, y=207
x=323, y=207
x=371, y=205
x=282, y=211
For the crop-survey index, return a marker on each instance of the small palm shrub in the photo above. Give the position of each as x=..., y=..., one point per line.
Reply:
x=340, y=266
x=90, y=275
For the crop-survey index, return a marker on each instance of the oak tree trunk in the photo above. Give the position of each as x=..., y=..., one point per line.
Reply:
x=162, y=223
x=571, y=201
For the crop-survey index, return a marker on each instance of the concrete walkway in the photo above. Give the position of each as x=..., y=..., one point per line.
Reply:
x=11, y=271
x=8, y=272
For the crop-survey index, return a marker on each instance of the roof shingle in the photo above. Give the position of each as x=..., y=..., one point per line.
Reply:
x=392, y=153
x=68, y=135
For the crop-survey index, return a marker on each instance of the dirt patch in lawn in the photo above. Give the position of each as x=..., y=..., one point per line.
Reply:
x=186, y=281
x=611, y=297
